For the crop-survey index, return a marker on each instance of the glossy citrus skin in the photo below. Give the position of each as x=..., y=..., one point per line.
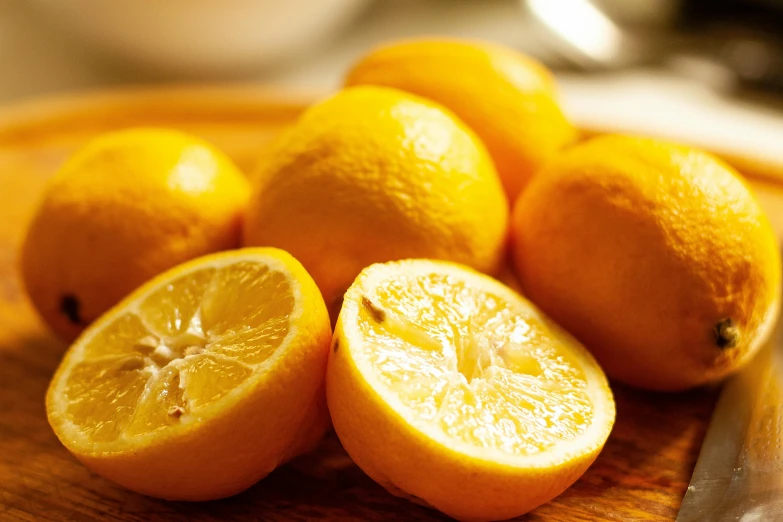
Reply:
x=374, y=174
x=655, y=255
x=508, y=99
x=411, y=455
x=275, y=414
x=126, y=207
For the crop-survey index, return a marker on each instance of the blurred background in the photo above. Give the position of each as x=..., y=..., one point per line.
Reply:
x=678, y=68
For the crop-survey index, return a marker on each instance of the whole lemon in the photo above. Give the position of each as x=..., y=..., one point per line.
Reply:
x=508, y=99
x=127, y=206
x=373, y=174
x=656, y=256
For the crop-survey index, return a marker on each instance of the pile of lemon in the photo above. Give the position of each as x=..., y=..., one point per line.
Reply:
x=382, y=209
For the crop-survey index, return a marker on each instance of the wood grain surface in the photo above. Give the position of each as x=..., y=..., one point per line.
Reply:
x=641, y=474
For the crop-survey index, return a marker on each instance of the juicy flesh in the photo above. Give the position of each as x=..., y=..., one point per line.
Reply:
x=186, y=345
x=485, y=371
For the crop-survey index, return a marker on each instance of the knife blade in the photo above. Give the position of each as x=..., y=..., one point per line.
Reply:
x=739, y=472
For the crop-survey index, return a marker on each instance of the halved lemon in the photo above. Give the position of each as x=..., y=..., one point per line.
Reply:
x=450, y=389
x=200, y=382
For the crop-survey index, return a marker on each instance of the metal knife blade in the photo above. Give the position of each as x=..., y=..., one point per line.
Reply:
x=739, y=473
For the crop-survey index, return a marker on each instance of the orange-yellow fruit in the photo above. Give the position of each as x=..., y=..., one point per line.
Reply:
x=508, y=99
x=449, y=389
x=200, y=382
x=656, y=256
x=374, y=174
x=126, y=207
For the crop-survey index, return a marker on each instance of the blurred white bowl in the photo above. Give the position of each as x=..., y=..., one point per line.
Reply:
x=200, y=37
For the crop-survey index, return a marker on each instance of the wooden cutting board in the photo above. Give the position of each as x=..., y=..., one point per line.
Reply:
x=641, y=474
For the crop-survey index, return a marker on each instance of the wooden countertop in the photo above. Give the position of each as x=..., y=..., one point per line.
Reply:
x=641, y=475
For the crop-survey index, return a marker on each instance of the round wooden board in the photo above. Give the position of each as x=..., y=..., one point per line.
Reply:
x=641, y=474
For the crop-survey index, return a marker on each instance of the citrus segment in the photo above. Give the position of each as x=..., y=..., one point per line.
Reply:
x=483, y=371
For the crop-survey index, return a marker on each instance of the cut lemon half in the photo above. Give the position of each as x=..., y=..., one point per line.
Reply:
x=200, y=382
x=450, y=389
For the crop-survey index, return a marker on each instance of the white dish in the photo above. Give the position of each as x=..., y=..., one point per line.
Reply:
x=199, y=38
